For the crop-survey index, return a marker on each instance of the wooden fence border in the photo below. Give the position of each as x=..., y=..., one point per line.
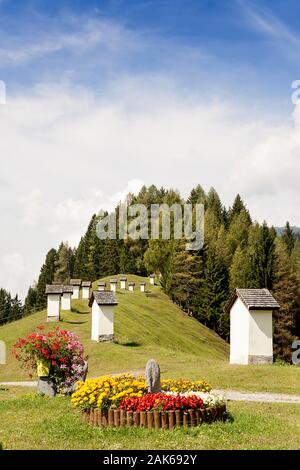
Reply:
x=153, y=419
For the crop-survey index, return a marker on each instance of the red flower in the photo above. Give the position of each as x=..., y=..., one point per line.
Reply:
x=161, y=401
x=54, y=363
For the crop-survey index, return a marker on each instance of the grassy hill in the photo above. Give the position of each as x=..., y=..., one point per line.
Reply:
x=153, y=327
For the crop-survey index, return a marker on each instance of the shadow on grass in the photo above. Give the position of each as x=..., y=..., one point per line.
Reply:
x=75, y=322
x=79, y=312
x=129, y=344
x=228, y=417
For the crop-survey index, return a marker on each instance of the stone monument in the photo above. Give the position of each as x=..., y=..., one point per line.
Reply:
x=152, y=375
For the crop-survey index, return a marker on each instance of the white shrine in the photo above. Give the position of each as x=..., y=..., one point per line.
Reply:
x=85, y=287
x=66, y=297
x=54, y=294
x=251, y=328
x=103, y=305
x=75, y=283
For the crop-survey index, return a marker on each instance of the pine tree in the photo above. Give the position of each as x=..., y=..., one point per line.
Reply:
x=197, y=196
x=289, y=238
x=212, y=226
x=238, y=270
x=17, y=310
x=4, y=306
x=46, y=277
x=286, y=292
x=260, y=256
x=64, y=264
x=214, y=204
x=238, y=231
x=236, y=209
x=79, y=259
x=214, y=293
x=11, y=309
x=84, y=259
x=186, y=277
x=31, y=300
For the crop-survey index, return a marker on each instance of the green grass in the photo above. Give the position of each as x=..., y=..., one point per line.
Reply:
x=147, y=327
x=55, y=425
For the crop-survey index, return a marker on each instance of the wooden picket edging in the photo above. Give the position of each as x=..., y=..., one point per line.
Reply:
x=153, y=419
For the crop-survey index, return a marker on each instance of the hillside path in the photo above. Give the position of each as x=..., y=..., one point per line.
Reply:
x=229, y=395
x=263, y=397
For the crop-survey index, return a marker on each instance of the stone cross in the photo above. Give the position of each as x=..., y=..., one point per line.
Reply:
x=153, y=376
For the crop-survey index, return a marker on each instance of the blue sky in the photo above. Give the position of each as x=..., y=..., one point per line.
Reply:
x=104, y=96
x=213, y=46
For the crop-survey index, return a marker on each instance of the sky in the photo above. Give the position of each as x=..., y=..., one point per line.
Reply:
x=105, y=96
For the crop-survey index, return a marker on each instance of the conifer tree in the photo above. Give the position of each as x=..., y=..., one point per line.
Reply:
x=46, y=277
x=31, y=300
x=238, y=270
x=186, y=277
x=214, y=204
x=236, y=209
x=238, y=231
x=11, y=309
x=260, y=256
x=64, y=264
x=4, y=306
x=214, y=293
x=289, y=238
x=197, y=196
x=286, y=292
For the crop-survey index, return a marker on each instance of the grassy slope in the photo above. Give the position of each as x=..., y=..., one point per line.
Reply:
x=148, y=327
x=54, y=425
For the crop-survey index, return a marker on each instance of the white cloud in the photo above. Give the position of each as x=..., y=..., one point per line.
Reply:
x=84, y=34
x=263, y=19
x=13, y=272
x=32, y=207
x=66, y=153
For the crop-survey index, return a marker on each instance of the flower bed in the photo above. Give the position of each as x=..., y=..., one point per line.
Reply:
x=153, y=419
x=123, y=401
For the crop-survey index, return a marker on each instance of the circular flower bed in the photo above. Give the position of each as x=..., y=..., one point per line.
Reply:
x=123, y=401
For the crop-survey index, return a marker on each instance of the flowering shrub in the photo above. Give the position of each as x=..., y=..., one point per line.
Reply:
x=107, y=392
x=183, y=385
x=161, y=402
x=61, y=349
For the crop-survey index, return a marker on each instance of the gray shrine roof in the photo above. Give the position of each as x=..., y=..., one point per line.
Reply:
x=86, y=284
x=113, y=281
x=131, y=283
x=253, y=299
x=75, y=282
x=68, y=289
x=123, y=278
x=101, y=283
x=54, y=289
x=103, y=298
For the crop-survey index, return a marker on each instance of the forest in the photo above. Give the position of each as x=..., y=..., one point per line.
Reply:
x=238, y=252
